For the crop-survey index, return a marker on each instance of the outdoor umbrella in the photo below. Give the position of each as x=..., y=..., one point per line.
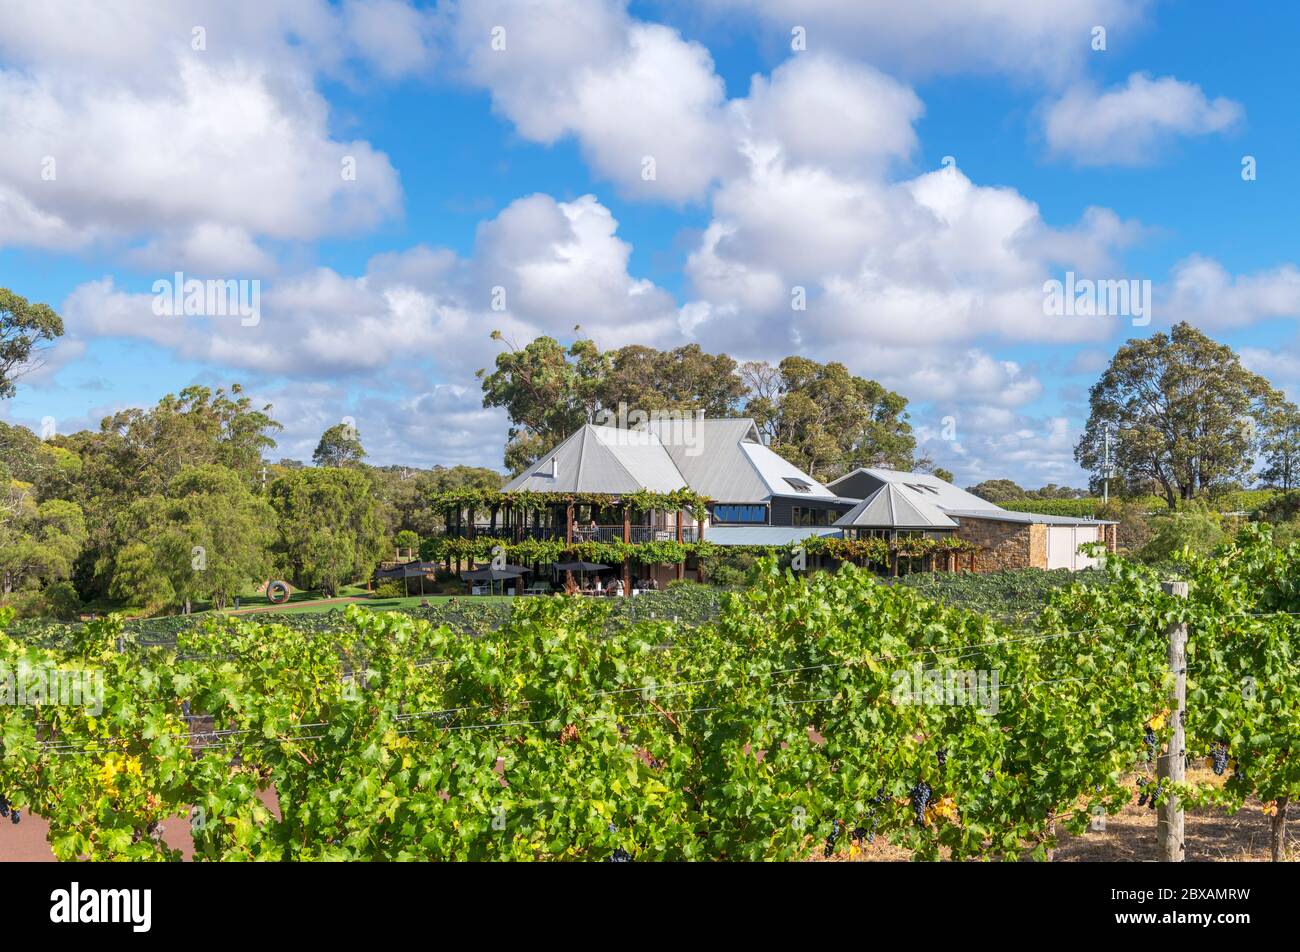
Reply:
x=583, y=567
x=490, y=574
x=409, y=570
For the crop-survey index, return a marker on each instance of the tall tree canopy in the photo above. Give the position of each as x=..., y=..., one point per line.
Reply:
x=206, y=539
x=827, y=421
x=340, y=445
x=330, y=531
x=137, y=452
x=819, y=416
x=685, y=379
x=25, y=327
x=547, y=390
x=1184, y=414
x=1280, y=447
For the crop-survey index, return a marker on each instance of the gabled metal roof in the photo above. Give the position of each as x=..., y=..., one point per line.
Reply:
x=602, y=459
x=925, y=487
x=722, y=460
x=707, y=454
x=892, y=507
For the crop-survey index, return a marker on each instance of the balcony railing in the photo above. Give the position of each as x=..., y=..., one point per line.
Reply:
x=599, y=533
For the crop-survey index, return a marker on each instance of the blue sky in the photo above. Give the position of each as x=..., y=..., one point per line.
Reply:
x=207, y=138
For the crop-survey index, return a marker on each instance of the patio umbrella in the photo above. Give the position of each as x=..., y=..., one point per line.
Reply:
x=490, y=574
x=409, y=570
x=582, y=567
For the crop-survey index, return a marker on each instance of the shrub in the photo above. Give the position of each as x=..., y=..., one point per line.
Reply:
x=1134, y=525
x=390, y=588
x=62, y=601
x=1194, y=528
x=1279, y=508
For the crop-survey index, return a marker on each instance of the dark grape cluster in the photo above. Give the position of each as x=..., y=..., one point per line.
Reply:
x=1149, y=738
x=620, y=855
x=834, y=835
x=942, y=757
x=868, y=833
x=1149, y=793
x=920, y=800
x=7, y=810
x=1220, y=757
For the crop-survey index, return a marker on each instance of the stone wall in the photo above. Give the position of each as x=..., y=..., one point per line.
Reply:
x=1004, y=545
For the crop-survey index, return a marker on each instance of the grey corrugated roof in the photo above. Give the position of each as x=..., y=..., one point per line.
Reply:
x=892, y=507
x=707, y=453
x=642, y=455
x=602, y=460
x=932, y=489
x=765, y=535
x=774, y=468
x=1037, y=518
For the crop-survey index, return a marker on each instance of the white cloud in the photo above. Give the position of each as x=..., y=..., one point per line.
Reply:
x=998, y=443
x=1131, y=124
x=1202, y=291
x=934, y=260
x=952, y=381
x=1043, y=39
x=831, y=112
x=1280, y=367
x=119, y=130
x=627, y=90
x=438, y=425
x=558, y=262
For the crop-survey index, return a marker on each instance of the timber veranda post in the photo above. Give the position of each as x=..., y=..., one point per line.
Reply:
x=1171, y=765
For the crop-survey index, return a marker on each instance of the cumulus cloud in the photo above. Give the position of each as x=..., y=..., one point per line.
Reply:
x=932, y=260
x=443, y=424
x=1046, y=39
x=645, y=106
x=195, y=129
x=831, y=112
x=1132, y=123
x=556, y=263
x=1204, y=292
x=997, y=443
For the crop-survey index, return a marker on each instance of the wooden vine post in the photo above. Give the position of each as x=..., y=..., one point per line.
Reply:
x=681, y=566
x=1170, y=766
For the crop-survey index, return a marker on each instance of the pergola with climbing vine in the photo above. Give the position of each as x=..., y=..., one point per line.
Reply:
x=653, y=529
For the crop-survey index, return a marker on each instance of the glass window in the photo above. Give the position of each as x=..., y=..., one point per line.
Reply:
x=749, y=514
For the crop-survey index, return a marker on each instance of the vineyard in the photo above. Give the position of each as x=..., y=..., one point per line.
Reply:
x=794, y=718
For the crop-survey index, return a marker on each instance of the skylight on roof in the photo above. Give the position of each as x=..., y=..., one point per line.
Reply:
x=799, y=485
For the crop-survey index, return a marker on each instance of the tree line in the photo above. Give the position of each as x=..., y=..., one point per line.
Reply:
x=177, y=504
x=820, y=417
